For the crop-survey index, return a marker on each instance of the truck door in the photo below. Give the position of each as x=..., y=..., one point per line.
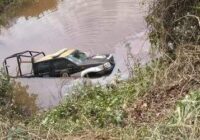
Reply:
x=59, y=66
x=43, y=69
x=73, y=68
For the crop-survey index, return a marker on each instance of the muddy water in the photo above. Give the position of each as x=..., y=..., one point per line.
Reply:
x=94, y=26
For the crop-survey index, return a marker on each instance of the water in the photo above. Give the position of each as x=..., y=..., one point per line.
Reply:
x=94, y=26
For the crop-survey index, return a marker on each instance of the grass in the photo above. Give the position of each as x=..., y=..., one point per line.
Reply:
x=183, y=123
x=92, y=109
x=94, y=106
x=111, y=112
x=160, y=101
x=140, y=105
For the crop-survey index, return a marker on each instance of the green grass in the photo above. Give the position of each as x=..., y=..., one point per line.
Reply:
x=103, y=112
x=96, y=106
x=161, y=100
x=184, y=122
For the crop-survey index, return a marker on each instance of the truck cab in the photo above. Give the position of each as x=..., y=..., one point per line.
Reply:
x=70, y=61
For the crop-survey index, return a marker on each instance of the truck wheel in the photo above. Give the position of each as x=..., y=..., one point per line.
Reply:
x=65, y=74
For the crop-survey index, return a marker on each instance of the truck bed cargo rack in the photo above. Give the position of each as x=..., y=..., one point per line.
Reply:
x=19, y=56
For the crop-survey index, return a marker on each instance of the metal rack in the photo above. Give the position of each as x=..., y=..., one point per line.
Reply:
x=19, y=56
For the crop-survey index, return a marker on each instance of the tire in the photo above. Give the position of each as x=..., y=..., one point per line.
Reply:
x=86, y=76
x=65, y=75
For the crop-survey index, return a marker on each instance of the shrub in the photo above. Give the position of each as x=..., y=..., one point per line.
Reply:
x=173, y=23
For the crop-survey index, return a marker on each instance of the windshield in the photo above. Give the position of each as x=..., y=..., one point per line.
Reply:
x=77, y=57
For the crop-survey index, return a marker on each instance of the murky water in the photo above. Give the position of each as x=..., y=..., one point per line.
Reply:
x=94, y=26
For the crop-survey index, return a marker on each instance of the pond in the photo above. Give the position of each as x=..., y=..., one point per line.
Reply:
x=94, y=26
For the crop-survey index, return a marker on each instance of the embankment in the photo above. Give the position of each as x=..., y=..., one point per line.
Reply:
x=161, y=100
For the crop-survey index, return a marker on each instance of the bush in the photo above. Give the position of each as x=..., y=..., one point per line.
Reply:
x=173, y=23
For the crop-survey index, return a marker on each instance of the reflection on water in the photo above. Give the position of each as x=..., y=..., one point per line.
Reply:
x=35, y=9
x=94, y=26
x=22, y=101
x=90, y=25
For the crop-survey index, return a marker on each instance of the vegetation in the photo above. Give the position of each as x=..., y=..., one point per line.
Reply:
x=8, y=7
x=94, y=106
x=173, y=23
x=161, y=100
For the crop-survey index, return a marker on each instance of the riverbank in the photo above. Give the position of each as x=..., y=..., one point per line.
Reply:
x=8, y=7
x=160, y=101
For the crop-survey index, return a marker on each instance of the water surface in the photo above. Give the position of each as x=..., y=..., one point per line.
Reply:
x=94, y=26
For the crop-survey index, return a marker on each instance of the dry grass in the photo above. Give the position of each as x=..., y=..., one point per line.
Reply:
x=151, y=117
x=170, y=85
x=174, y=23
x=160, y=101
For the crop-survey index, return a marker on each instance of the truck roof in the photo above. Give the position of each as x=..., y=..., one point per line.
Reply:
x=60, y=54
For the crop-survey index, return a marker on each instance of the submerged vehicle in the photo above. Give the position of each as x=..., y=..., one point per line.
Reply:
x=64, y=63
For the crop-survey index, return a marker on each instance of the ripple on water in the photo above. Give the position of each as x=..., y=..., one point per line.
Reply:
x=95, y=26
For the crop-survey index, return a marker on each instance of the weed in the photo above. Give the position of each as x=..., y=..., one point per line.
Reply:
x=159, y=101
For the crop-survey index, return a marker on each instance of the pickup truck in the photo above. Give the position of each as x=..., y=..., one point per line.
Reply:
x=63, y=63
